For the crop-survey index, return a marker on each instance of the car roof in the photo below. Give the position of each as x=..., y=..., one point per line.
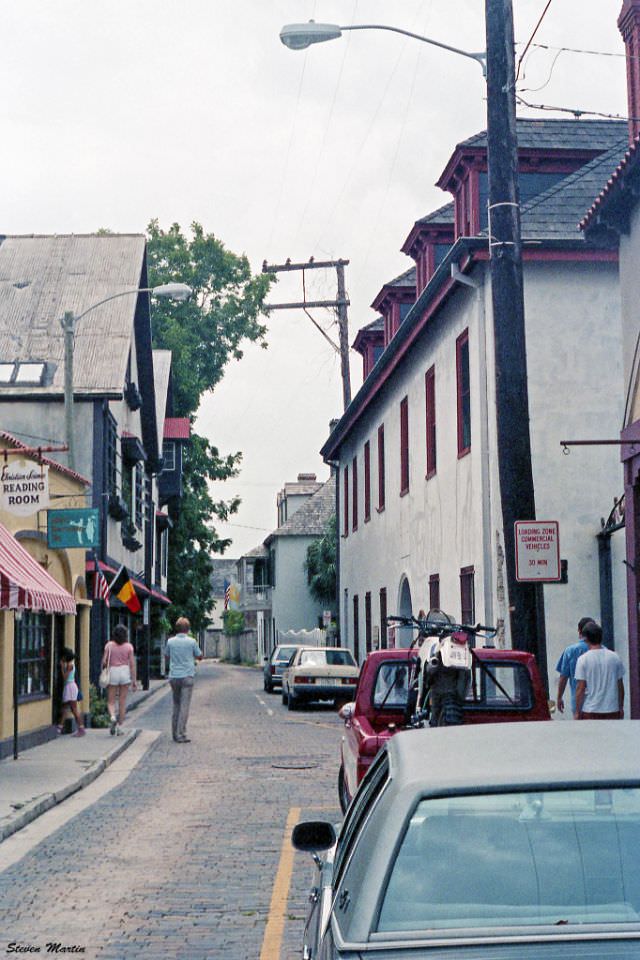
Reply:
x=504, y=755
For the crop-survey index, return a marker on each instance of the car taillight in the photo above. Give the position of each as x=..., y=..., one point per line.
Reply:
x=273, y=670
x=349, y=679
x=303, y=679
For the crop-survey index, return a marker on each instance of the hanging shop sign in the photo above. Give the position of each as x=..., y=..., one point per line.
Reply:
x=73, y=528
x=24, y=487
x=537, y=551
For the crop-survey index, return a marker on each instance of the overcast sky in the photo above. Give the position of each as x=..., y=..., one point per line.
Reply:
x=115, y=113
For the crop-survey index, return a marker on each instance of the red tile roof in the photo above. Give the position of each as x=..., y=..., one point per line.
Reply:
x=4, y=435
x=177, y=428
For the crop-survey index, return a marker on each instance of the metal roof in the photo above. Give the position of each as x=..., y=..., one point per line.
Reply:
x=42, y=277
x=505, y=755
x=177, y=428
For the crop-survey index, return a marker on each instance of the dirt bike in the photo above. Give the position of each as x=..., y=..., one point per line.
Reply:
x=441, y=670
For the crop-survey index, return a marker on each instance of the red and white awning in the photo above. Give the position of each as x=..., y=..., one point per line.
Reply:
x=24, y=583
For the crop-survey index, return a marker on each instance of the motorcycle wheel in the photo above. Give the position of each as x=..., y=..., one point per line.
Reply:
x=342, y=791
x=451, y=714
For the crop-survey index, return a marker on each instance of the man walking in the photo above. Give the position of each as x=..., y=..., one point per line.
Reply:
x=183, y=651
x=599, y=683
x=567, y=667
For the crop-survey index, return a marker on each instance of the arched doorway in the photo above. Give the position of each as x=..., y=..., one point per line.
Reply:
x=404, y=635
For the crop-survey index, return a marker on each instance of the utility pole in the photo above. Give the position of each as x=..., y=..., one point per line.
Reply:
x=340, y=305
x=512, y=404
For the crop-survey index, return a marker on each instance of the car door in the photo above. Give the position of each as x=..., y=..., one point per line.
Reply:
x=357, y=815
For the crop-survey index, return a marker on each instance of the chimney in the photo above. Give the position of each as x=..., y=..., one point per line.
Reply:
x=629, y=26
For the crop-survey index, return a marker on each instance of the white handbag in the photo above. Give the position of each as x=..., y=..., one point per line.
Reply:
x=103, y=679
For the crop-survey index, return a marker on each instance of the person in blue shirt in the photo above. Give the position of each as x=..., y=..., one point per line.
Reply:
x=567, y=666
x=182, y=651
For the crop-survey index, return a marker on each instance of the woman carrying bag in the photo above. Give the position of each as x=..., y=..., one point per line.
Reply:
x=119, y=660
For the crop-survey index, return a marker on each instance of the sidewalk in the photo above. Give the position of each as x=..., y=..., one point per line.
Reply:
x=46, y=775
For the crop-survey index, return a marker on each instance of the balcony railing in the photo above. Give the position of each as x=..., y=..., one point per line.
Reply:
x=254, y=597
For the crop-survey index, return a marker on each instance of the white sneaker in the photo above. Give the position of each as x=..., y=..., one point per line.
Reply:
x=119, y=730
x=113, y=725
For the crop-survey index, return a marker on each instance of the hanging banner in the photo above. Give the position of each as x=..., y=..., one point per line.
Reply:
x=73, y=528
x=24, y=487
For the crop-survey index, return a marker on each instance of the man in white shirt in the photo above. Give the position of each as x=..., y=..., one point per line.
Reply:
x=599, y=683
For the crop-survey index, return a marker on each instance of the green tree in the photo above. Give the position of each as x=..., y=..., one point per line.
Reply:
x=320, y=565
x=203, y=334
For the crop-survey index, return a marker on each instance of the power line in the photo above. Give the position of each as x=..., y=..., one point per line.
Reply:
x=530, y=40
x=575, y=111
x=593, y=53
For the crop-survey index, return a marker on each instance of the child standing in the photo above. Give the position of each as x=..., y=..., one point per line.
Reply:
x=70, y=691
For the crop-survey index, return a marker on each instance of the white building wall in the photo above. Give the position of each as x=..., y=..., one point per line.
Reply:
x=454, y=519
x=292, y=606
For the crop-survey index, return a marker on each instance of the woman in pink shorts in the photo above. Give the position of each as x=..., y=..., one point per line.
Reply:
x=119, y=657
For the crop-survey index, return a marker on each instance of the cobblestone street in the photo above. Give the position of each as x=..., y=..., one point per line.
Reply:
x=180, y=860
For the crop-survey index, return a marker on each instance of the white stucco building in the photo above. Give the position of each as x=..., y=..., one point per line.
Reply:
x=418, y=489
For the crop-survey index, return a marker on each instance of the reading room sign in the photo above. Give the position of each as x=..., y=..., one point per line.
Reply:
x=24, y=487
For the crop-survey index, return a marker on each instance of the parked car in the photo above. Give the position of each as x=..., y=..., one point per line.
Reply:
x=515, y=840
x=276, y=664
x=505, y=685
x=319, y=673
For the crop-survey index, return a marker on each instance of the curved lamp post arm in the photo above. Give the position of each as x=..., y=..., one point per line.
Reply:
x=299, y=36
x=480, y=58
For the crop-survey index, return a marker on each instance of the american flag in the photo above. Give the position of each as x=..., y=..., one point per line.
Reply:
x=227, y=594
x=100, y=585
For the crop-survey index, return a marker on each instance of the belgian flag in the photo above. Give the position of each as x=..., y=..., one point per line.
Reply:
x=122, y=588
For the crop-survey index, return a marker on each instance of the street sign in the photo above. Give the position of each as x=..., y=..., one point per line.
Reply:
x=73, y=528
x=537, y=551
x=326, y=618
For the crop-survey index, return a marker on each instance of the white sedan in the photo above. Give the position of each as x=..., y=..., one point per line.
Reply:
x=319, y=673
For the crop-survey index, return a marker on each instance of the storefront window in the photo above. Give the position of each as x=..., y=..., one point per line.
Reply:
x=33, y=641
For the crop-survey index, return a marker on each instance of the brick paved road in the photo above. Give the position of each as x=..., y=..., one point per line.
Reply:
x=192, y=837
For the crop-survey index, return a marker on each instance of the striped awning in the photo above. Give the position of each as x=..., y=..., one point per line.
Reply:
x=24, y=583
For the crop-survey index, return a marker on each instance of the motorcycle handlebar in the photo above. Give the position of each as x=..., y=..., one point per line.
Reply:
x=442, y=628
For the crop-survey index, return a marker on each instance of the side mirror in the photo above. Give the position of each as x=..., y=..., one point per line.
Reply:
x=346, y=711
x=312, y=835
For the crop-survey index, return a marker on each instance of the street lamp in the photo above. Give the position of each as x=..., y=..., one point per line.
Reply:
x=69, y=322
x=505, y=260
x=299, y=36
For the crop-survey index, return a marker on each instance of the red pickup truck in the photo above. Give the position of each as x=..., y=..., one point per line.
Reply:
x=506, y=686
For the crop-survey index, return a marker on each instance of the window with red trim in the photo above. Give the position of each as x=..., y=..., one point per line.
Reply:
x=404, y=446
x=367, y=481
x=464, y=393
x=467, y=595
x=367, y=623
x=381, y=476
x=430, y=412
x=345, y=504
x=383, y=618
x=434, y=591
x=354, y=493
x=356, y=629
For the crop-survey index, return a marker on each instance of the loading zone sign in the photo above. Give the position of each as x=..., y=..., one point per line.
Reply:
x=537, y=551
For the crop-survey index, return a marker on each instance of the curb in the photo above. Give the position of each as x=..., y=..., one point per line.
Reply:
x=145, y=695
x=40, y=805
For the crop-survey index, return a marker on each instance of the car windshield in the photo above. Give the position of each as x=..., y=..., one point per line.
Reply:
x=497, y=685
x=326, y=658
x=391, y=688
x=561, y=858
x=284, y=654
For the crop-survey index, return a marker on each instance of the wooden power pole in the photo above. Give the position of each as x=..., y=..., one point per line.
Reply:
x=340, y=305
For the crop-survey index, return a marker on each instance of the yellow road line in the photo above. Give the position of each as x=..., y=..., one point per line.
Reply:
x=272, y=940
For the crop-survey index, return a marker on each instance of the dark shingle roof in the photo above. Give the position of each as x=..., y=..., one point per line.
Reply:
x=406, y=279
x=444, y=214
x=311, y=518
x=556, y=213
x=561, y=134
x=609, y=194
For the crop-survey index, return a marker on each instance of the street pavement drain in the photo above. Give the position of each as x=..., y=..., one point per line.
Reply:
x=291, y=765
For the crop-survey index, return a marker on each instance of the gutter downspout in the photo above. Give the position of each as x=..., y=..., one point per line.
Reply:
x=485, y=475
